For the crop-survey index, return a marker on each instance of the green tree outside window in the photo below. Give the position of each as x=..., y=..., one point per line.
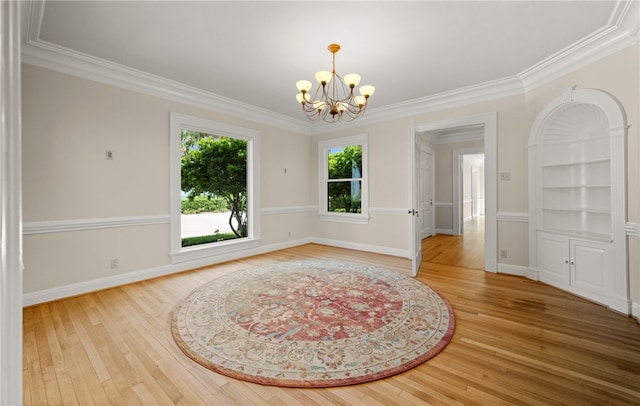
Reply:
x=344, y=185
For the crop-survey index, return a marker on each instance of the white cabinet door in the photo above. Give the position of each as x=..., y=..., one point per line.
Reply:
x=553, y=259
x=589, y=261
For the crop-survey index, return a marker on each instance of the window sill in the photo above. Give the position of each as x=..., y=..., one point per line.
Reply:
x=212, y=250
x=345, y=218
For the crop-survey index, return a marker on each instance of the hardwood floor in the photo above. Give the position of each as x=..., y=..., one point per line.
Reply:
x=466, y=251
x=516, y=342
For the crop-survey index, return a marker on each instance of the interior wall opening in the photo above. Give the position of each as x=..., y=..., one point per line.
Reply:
x=473, y=195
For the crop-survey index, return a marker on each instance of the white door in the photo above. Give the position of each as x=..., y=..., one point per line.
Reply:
x=553, y=259
x=426, y=194
x=589, y=261
x=414, y=201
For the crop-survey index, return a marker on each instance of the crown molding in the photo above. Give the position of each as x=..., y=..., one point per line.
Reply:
x=495, y=89
x=620, y=32
x=61, y=59
x=50, y=56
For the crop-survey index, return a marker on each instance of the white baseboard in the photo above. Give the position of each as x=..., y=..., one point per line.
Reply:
x=518, y=270
x=448, y=231
x=47, y=295
x=362, y=247
x=635, y=311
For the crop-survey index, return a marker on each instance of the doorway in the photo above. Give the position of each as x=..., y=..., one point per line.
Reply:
x=486, y=124
x=464, y=244
x=470, y=178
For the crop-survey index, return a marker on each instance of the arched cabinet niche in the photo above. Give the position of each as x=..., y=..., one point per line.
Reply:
x=577, y=197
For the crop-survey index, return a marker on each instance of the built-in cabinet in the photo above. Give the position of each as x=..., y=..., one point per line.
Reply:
x=577, y=197
x=577, y=265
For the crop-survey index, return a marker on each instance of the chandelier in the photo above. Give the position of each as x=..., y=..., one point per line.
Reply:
x=333, y=99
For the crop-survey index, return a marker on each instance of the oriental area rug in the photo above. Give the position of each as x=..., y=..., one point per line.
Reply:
x=312, y=323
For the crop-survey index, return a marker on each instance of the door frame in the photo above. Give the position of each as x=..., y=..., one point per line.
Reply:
x=415, y=242
x=489, y=124
x=457, y=176
x=11, y=346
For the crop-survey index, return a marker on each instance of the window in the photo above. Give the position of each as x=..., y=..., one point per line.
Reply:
x=343, y=179
x=214, y=166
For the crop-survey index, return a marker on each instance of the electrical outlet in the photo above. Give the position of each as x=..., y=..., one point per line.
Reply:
x=108, y=155
x=503, y=253
x=115, y=263
x=505, y=175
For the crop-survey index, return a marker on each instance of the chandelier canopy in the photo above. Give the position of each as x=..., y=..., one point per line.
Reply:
x=333, y=99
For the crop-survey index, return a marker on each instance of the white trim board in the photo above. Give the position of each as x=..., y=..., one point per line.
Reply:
x=518, y=270
x=443, y=205
x=11, y=332
x=447, y=231
x=632, y=229
x=56, y=226
x=520, y=217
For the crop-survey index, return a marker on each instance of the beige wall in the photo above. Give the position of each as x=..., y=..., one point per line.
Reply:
x=69, y=122
x=616, y=74
x=388, y=228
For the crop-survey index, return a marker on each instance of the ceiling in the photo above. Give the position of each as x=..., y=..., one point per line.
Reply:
x=254, y=52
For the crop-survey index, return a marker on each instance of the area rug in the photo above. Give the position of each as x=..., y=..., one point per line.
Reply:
x=312, y=323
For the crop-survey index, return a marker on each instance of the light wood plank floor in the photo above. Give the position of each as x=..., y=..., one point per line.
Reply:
x=516, y=342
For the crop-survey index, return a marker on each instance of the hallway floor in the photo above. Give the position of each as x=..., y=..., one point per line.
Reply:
x=466, y=251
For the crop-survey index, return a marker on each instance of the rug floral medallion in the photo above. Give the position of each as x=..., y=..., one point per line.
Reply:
x=312, y=323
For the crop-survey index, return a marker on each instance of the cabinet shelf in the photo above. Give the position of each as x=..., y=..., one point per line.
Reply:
x=576, y=163
x=576, y=187
x=600, y=237
x=578, y=210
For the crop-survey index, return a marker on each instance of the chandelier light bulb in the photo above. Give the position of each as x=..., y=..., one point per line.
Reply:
x=352, y=80
x=319, y=105
x=367, y=90
x=303, y=85
x=333, y=99
x=323, y=77
x=360, y=101
x=302, y=98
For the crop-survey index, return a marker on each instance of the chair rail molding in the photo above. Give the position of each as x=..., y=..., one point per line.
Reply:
x=632, y=229
x=521, y=217
x=56, y=226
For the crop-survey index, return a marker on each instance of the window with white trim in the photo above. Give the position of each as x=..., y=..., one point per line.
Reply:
x=197, y=146
x=343, y=179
